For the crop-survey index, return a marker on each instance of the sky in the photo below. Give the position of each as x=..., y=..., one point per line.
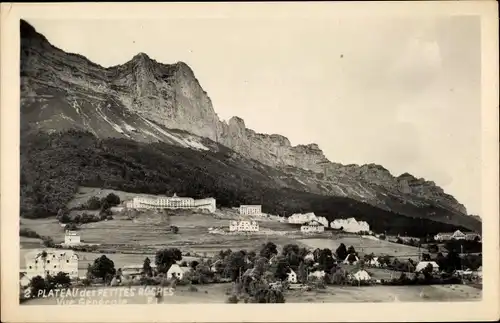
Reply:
x=404, y=93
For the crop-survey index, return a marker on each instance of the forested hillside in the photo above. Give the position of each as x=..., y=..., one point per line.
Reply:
x=54, y=165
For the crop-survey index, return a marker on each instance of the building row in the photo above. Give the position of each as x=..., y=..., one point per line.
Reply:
x=457, y=235
x=171, y=202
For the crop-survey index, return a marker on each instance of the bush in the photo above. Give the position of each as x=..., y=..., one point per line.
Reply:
x=192, y=288
x=233, y=299
x=93, y=203
x=25, y=232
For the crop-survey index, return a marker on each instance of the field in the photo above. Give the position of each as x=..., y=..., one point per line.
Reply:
x=216, y=293
x=432, y=293
x=365, y=246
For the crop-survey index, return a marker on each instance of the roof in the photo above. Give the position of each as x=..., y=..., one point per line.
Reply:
x=185, y=268
x=313, y=223
x=421, y=265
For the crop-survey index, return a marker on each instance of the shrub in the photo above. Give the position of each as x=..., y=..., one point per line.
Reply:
x=25, y=232
x=233, y=299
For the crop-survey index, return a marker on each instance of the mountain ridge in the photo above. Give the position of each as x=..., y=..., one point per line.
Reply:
x=143, y=100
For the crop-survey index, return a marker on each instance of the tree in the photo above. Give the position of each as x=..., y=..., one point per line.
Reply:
x=193, y=264
x=105, y=205
x=326, y=260
x=351, y=250
x=268, y=250
x=290, y=248
x=94, y=203
x=426, y=257
x=48, y=242
x=146, y=267
x=167, y=257
x=104, y=268
x=382, y=237
x=281, y=269
x=113, y=199
x=61, y=279
x=302, y=273
x=37, y=284
x=433, y=248
x=174, y=229
x=63, y=215
x=235, y=265
x=453, y=261
x=341, y=251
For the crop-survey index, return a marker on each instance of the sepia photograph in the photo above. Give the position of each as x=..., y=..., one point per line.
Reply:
x=251, y=158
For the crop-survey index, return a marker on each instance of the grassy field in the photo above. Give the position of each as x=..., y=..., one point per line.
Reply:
x=216, y=293
x=365, y=246
x=433, y=293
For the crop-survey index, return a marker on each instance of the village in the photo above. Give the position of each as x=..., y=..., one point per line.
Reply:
x=285, y=269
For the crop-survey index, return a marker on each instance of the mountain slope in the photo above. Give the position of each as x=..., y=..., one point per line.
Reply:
x=54, y=165
x=146, y=101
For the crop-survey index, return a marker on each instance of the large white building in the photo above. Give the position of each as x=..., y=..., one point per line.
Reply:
x=51, y=262
x=71, y=238
x=312, y=227
x=350, y=225
x=243, y=226
x=251, y=209
x=171, y=202
x=457, y=235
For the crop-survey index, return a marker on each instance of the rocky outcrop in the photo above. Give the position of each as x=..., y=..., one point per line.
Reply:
x=145, y=100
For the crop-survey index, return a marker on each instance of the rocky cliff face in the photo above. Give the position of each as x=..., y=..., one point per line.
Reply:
x=145, y=100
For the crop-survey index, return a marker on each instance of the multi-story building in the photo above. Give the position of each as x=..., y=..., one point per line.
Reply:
x=250, y=209
x=244, y=226
x=171, y=202
x=71, y=238
x=312, y=227
x=457, y=235
x=51, y=262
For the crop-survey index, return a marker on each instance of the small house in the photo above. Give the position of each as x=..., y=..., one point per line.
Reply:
x=361, y=275
x=351, y=259
x=312, y=227
x=176, y=271
x=423, y=264
x=374, y=262
x=317, y=274
x=292, y=277
x=309, y=256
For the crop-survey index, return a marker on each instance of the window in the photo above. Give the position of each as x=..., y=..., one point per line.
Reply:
x=67, y=261
x=54, y=266
x=30, y=267
x=36, y=261
x=48, y=261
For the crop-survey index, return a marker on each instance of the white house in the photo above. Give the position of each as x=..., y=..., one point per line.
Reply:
x=51, y=262
x=421, y=265
x=243, y=226
x=374, y=262
x=292, y=277
x=351, y=259
x=177, y=271
x=318, y=274
x=312, y=227
x=24, y=281
x=250, y=209
x=71, y=238
x=350, y=225
x=309, y=256
x=361, y=275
